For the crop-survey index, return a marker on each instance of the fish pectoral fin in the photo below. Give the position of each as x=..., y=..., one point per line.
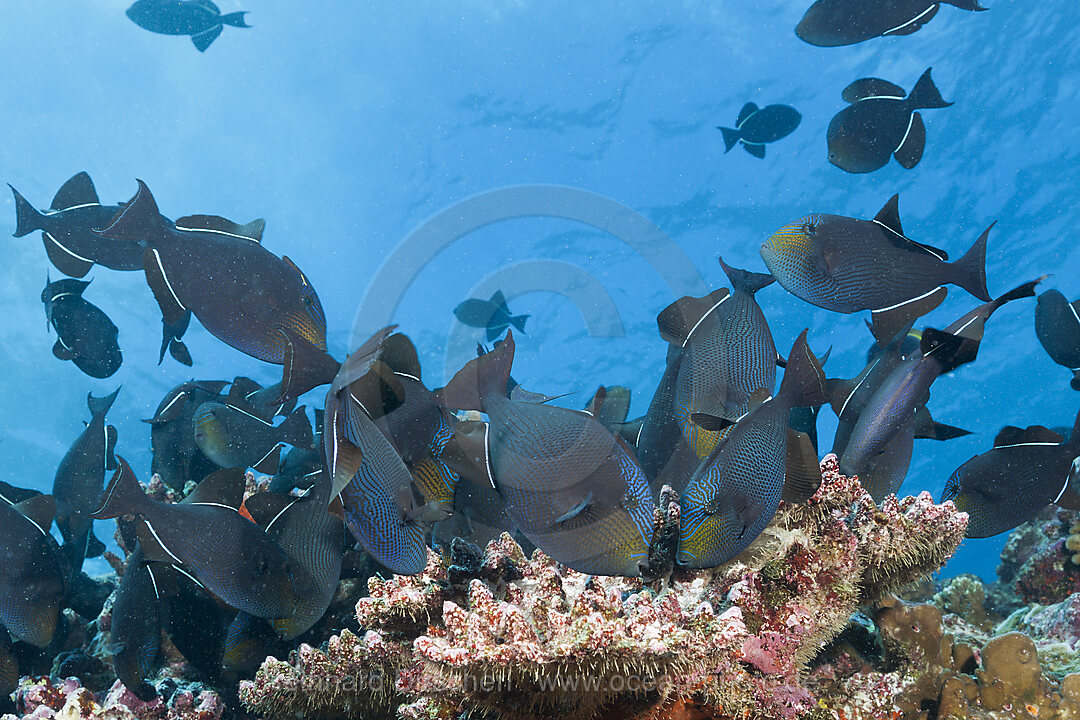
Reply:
x=802, y=473
x=202, y=40
x=62, y=352
x=872, y=87
x=755, y=149
x=65, y=260
x=1012, y=435
x=216, y=224
x=269, y=463
x=172, y=310
x=78, y=190
x=577, y=510
x=914, y=23
x=710, y=422
x=889, y=322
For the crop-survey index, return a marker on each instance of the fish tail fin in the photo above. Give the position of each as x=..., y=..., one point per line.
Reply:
x=100, y=405
x=306, y=366
x=746, y=280
x=971, y=268
x=925, y=93
x=236, y=19
x=482, y=377
x=804, y=381
x=27, y=217
x=1075, y=382
x=1074, y=437
x=518, y=321
x=170, y=340
x=731, y=137
x=123, y=495
x=137, y=220
x=296, y=429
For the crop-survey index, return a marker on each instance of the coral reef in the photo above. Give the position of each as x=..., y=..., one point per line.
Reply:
x=519, y=637
x=46, y=698
x=1037, y=561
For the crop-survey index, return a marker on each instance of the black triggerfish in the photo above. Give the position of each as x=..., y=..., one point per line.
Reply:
x=32, y=582
x=831, y=23
x=84, y=333
x=1057, y=325
x=756, y=127
x=201, y=19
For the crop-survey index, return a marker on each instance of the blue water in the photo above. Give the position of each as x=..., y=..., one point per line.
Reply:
x=349, y=126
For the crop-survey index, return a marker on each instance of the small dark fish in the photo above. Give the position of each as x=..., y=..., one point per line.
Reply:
x=67, y=230
x=831, y=23
x=1025, y=471
x=881, y=123
x=32, y=583
x=374, y=483
x=492, y=315
x=737, y=490
x=755, y=127
x=135, y=630
x=176, y=457
x=569, y=485
x=243, y=294
x=846, y=265
x=314, y=541
x=209, y=540
x=78, y=481
x=1057, y=325
x=201, y=19
x=232, y=436
x=908, y=385
x=728, y=353
x=84, y=333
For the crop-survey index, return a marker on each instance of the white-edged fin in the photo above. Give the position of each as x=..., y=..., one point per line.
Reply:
x=574, y=511
x=907, y=302
x=206, y=503
x=153, y=581
x=487, y=455
x=253, y=417
x=898, y=30
x=153, y=547
x=66, y=249
x=856, y=388
x=708, y=312
x=188, y=575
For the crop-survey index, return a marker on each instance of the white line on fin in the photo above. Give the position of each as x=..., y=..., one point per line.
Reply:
x=60, y=245
x=157, y=259
x=910, y=122
x=702, y=318
x=912, y=21
x=245, y=412
x=910, y=300
x=153, y=532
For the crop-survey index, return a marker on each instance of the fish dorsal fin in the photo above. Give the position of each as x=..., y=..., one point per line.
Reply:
x=221, y=487
x=399, y=353
x=359, y=362
x=499, y=301
x=379, y=391
x=679, y=320
x=1035, y=434
x=615, y=406
x=78, y=190
x=40, y=510
x=889, y=215
x=207, y=5
x=747, y=110
x=269, y=463
x=266, y=508
x=466, y=452
x=866, y=88
x=802, y=476
x=171, y=411
x=14, y=495
x=927, y=429
x=596, y=401
x=889, y=219
x=215, y=224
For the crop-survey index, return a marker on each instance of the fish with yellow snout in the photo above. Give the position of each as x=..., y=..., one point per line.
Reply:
x=209, y=541
x=737, y=489
x=242, y=293
x=1026, y=470
x=569, y=484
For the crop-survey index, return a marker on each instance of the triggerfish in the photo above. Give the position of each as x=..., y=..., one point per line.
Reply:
x=210, y=541
x=84, y=333
x=756, y=127
x=569, y=485
x=846, y=265
x=830, y=23
x=880, y=122
x=79, y=479
x=201, y=19
x=242, y=293
x=67, y=230
x=493, y=315
x=737, y=490
x=32, y=582
x=1057, y=325
x=176, y=457
x=1025, y=471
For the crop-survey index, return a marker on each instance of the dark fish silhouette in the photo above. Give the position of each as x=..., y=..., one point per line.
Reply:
x=1057, y=325
x=301, y=467
x=569, y=484
x=755, y=127
x=660, y=433
x=78, y=481
x=67, y=230
x=32, y=583
x=908, y=385
x=84, y=333
x=846, y=265
x=374, y=483
x=737, y=490
x=217, y=547
x=201, y=19
x=242, y=294
x=232, y=436
x=492, y=315
x=881, y=122
x=176, y=457
x=830, y=23
x=135, y=630
x=1025, y=471
x=728, y=353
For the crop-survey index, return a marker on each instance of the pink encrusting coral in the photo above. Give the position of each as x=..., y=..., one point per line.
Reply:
x=530, y=638
x=48, y=698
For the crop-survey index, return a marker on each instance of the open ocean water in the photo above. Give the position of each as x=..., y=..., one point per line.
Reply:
x=411, y=155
